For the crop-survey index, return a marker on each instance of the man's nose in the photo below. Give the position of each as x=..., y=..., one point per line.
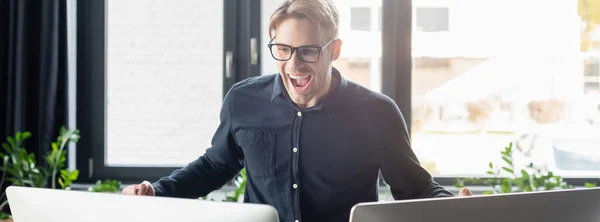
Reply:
x=295, y=59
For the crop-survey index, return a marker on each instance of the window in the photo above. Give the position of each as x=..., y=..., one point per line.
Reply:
x=360, y=62
x=591, y=66
x=432, y=63
x=153, y=79
x=360, y=18
x=591, y=87
x=591, y=75
x=432, y=19
x=164, y=82
x=379, y=20
x=492, y=96
x=459, y=93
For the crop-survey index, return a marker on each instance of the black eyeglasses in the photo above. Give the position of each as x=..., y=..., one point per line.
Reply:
x=306, y=53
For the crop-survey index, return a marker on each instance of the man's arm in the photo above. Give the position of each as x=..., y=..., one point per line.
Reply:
x=399, y=165
x=211, y=171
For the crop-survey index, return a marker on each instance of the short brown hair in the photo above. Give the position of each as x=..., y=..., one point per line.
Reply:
x=321, y=12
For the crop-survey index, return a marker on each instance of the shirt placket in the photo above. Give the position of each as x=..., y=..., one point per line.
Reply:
x=295, y=158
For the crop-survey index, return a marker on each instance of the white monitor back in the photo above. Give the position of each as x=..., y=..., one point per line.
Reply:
x=576, y=205
x=51, y=205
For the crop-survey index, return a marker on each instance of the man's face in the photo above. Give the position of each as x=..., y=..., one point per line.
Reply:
x=305, y=82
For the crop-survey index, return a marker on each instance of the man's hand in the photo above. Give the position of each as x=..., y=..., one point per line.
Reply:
x=142, y=189
x=464, y=192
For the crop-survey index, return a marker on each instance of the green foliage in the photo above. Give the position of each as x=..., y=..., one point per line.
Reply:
x=504, y=179
x=21, y=169
x=19, y=166
x=57, y=156
x=106, y=186
x=240, y=184
x=4, y=215
x=67, y=177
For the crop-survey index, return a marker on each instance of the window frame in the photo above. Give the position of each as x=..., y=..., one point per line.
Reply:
x=242, y=20
x=396, y=75
x=241, y=24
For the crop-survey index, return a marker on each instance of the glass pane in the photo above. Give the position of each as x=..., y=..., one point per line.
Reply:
x=360, y=22
x=358, y=62
x=432, y=19
x=360, y=18
x=164, y=80
x=591, y=87
x=591, y=66
x=482, y=80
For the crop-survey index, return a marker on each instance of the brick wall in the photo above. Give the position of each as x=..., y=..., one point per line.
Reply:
x=164, y=80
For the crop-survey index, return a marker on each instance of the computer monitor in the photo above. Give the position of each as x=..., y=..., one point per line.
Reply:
x=574, y=205
x=51, y=205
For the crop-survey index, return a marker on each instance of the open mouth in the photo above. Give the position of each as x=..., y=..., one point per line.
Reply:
x=300, y=82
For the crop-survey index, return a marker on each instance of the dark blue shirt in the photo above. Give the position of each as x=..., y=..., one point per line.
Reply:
x=312, y=164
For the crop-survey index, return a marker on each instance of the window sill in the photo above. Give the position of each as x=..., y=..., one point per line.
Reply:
x=384, y=191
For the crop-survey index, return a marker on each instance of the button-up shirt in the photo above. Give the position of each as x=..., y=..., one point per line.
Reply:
x=310, y=164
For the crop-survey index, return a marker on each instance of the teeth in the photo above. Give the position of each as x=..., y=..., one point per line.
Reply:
x=297, y=77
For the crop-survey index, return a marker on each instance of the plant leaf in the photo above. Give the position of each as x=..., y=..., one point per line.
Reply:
x=63, y=130
x=28, y=182
x=4, y=216
x=74, y=137
x=11, y=141
x=14, y=181
x=506, y=186
x=508, y=169
x=73, y=175
x=491, y=165
x=61, y=183
x=18, y=136
x=64, y=174
x=7, y=148
x=25, y=135
x=507, y=160
x=488, y=192
x=525, y=174
x=590, y=185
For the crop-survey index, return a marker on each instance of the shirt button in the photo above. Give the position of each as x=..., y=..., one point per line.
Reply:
x=296, y=221
x=295, y=186
x=299, y=113
x=295, y=149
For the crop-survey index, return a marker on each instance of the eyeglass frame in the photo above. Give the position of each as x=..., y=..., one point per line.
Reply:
x=295, y=49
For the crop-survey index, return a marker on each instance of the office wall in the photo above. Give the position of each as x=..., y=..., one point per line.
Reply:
x=268, y=64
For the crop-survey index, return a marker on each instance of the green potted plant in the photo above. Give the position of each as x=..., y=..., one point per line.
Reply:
x=238, y=192
x=20, y=168
x=106, y=186
x=505, y=177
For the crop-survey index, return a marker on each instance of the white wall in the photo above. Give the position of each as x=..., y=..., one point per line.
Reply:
x=268, y=64
x=164, y=80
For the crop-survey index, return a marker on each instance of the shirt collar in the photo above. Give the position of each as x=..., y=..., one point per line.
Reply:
x=278, y=88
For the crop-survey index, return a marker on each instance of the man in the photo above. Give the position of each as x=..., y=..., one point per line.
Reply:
x=312, y=142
